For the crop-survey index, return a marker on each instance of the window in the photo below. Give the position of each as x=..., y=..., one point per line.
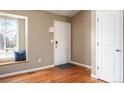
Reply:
x=8, y=37
x=13, y=35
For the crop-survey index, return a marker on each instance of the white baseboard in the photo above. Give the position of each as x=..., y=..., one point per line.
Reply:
x=94, y=76
x=25, y=71
x=77, y=63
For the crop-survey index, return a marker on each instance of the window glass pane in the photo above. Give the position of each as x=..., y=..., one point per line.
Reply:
x=8, y=37
x=11, y=35
x=2, y=27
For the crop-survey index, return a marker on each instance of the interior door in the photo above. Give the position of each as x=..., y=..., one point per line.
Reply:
x=109, y=45
x=62, y=42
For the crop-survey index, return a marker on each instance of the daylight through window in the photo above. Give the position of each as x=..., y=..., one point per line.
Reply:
x=8, y=37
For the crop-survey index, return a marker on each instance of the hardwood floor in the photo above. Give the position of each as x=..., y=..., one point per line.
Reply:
x=74, y=74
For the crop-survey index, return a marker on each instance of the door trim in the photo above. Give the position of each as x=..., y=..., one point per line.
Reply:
x=121, y=46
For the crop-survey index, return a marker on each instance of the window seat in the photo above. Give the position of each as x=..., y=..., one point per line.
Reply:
x=12, y=62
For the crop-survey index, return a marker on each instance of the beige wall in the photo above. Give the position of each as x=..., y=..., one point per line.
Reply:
x=22, y=34
x=39, y=40
x=81, y=37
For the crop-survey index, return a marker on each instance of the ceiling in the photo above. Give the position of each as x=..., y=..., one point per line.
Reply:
x=68, y=13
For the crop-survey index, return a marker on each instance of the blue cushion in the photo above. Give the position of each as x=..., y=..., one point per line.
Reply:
x=20, y=55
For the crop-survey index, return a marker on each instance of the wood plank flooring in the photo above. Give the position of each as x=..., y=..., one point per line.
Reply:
x=74, y=74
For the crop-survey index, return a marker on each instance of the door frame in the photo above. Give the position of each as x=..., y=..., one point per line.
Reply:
x=121, y=45
x=54, y=40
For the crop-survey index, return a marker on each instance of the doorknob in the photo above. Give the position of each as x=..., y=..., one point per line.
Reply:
x=56, y=43
x=117, y=50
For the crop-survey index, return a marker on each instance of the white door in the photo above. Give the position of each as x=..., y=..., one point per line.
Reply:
x=109, y=40
x=62, y=42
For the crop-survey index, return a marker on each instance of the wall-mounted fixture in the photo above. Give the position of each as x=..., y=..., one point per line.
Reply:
x=51, y=29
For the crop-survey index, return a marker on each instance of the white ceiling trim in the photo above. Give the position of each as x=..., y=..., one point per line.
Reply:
x=68, y=13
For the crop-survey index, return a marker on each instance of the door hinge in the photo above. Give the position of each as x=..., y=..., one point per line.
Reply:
x=97, y=67
x=97, y=19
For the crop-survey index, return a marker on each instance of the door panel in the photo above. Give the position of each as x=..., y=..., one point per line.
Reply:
x=109, y=39
x=108, y=61
x=107, y=28
x=61, y=42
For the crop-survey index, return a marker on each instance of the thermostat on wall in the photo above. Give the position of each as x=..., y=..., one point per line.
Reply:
x=51, y=29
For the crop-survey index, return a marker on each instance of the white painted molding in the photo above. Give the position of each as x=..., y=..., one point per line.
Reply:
x=25, y=71
x=77, y=63
x=94, y=76
x=12, y=15
x=122, y=46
